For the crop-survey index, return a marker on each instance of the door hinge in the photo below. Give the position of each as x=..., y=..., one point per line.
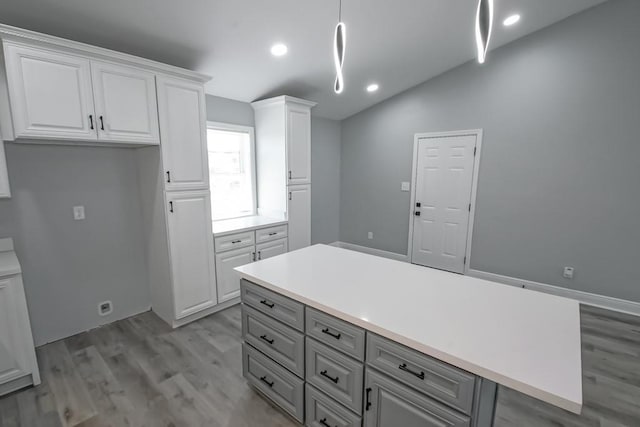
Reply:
x=469, y=207
x=464, y=261
x=474, y=150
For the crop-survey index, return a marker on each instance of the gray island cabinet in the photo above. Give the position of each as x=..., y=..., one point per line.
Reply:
x=326, y=372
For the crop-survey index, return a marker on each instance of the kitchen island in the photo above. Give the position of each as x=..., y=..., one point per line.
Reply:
x=338, y=337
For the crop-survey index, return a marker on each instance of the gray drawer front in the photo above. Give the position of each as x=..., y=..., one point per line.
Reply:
x=446, y=383
x=390, y=404
x=281, y=308
x=285, y=389
x=278, y=341
x=321, y=410
x=334, y=373
x=335, y=333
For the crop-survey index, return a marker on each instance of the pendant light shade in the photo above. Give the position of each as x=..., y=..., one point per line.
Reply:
x=339, y=43
x=484, y=25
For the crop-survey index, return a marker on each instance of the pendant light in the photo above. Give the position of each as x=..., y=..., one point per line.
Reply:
x=484, y=25
x=339, y=43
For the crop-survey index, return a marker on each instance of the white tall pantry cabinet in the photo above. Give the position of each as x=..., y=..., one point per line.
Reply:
x=176, y=200
x=283, y=158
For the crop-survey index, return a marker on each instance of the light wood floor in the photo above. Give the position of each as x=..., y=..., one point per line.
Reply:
x=138, y=372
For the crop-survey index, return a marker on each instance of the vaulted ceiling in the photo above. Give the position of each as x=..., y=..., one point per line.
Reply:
x=396, y=44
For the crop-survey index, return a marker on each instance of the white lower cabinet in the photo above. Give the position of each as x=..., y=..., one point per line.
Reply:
x=299, y=216
x=191, y=249
x=234, y=250
x=271, y=249
x=18, y=365
x=228, y=282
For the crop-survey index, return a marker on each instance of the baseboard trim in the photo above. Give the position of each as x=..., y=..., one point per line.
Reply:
x=204, y=313
x=602, y=301
x=371, y=251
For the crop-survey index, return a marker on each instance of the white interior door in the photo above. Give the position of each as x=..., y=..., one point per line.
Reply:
x=50, y=94
x=299, y=216
x=125, y=100
x=191, y=247
x=228, y=279
x=299, y=145
x=443, y=183
x=183, y=139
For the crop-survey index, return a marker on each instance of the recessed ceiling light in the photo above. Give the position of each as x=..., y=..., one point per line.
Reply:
x=372, y=87
x=511, y=20
x=279, y=49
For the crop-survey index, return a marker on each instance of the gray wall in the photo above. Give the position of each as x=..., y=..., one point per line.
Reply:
x=560, y=167
x=70, y=266
x=229, y=111
x=325, y=178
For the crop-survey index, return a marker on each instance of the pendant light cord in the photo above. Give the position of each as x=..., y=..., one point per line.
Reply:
x=340, y=12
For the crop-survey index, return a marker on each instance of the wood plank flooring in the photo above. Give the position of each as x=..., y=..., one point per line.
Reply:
x=139, y=372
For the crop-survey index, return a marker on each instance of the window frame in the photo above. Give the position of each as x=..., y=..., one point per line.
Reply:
x=250, y=130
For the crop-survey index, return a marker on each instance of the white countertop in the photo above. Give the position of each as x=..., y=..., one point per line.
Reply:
x=9, y=264
x=247, y=223
x=522, y=339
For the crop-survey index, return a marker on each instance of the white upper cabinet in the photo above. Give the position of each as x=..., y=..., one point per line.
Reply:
x=125, y=103
x=181, y=106
x=298, y=144
x=191, y=251
x=50, y=94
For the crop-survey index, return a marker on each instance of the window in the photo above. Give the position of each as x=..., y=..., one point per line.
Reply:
x=231, y=170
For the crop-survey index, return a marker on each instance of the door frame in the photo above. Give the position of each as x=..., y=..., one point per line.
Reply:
x=474, y=187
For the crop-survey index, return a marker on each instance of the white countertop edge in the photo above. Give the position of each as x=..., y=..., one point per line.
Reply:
x=269, y=222
x=567, y=404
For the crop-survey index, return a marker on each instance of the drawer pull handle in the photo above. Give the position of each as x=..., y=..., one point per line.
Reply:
x=403, y=367
x=264, y=302
x=236, y=241
x=324, y=374
x=273, y=233
x=264, y=338
x=328, y=332
x=368, y=405
x=324, y=422
x=264, y=380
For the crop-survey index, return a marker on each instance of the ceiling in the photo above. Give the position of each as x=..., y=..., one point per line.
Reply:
x=396, y=43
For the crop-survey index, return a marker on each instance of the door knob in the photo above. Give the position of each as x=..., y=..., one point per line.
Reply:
x=417, y=213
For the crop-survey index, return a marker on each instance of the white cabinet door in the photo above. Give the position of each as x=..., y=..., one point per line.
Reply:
x=5, y=191
x=228, y=280
x=50, y=94
x=17, y=355
x=181, y=107
x=299, y=216
x=271, y=249
x=191, y=249
x=125, y=104
x=299, y=144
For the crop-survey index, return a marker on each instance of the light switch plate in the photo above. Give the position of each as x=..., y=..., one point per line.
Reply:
x=406, y=186
x=78, y=213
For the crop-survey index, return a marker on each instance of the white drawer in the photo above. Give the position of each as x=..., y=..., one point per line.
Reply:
x=234, y=241
x=271, y=233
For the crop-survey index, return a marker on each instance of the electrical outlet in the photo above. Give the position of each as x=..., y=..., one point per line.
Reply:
x=568, y=273
x=105, y=308
x=78, y=213
x=370, y=235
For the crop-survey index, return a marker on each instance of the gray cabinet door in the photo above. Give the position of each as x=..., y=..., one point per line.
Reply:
x=390, y=404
